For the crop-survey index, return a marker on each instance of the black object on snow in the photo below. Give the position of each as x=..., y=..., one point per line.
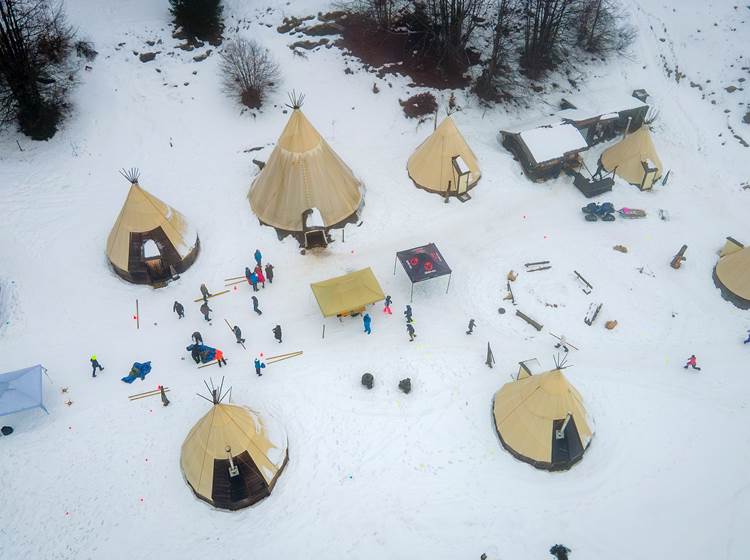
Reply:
x=559, y=551
x=6, y=430
x=405, y=385
x=368, y=380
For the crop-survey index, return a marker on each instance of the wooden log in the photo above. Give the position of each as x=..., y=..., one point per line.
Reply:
x=586, y=282
x=529, y=320
x=678, y=258
x=143, y=393
x=538, y=269
x=212, y=295
x=208, y=364
x=536, y=263
x=282, y=355
x=155, y=393
x=233, y=278
x=282, y=359
x=234, y=283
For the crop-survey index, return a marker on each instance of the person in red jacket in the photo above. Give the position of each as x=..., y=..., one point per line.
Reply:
x=692, y=362
x=261, y=278
x=220, y=357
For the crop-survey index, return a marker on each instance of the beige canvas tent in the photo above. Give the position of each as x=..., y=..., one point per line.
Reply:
x=732, y=273
x=150, y=241
x=541, y=420
x=444, y=162
x=347, y=294
x=634, y=159
x=231, y=459
x=304, y=176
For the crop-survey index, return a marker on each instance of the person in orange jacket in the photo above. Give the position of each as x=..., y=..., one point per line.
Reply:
x=220, y=357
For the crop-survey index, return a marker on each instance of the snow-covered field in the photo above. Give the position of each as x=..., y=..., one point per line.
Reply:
x=376, y=474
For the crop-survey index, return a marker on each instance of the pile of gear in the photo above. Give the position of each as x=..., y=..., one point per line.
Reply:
x=604, y=212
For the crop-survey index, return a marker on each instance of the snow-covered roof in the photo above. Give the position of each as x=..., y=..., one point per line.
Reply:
x=601, y=102
x=546, y=143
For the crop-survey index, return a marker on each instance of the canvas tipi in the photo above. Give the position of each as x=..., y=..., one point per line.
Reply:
x=150, y=241
x=304, y=185
x=444, y=162
x=634, y=159
x=231, y=459
x=732, y=273
x=541, y=420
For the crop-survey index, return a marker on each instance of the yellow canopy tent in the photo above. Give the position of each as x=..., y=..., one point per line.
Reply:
x=732, y=273
x=444, y=163
x=232, y=437
x=634, y=159
x=304, y=173
x=541, y=420
x=150, y=238
x=347, y=294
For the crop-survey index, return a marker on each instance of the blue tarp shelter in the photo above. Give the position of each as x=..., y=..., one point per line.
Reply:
x=21, y=390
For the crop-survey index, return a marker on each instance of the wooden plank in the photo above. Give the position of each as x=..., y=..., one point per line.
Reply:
x=536, y=263
x=233, y=278
x=149, y=395
x=144, y=393
x=208, y=364
x=212, y=295
x=529, y=320
x=282, y=355
x=284, y=358
x=235, y=282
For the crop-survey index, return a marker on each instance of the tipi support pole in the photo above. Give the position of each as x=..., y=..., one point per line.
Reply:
x=449, y=283
x=394, y=265
x=343, y=234
x=137, y=316
x=324, y=330
x=411, y=296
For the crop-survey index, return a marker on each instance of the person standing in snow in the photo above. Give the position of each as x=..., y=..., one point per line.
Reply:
x=248, y=274
x=94, y=365
x=197, y=338
x=410, y=331
x=205, y=309
x=254, y=281
x=277, y=333
x=255, y=306
x=269, y=272
x=259, y=275
x=258, y=257
x=164, y=399
x=177, y=308
x=562, y=343
x=238, y=334
x=407, y=314
x=258, y=366
x=366, y=320
x=205, y=293
x=387, y=305
x=220, y=357
x=748, y=337
x=195, y=354
x=692, y=362
x=472, y=324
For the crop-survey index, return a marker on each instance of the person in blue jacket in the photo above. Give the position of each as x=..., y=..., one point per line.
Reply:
x=254, y=281
x=747, y=340
x=367, y=320
x=258, y=366
x=258, y=257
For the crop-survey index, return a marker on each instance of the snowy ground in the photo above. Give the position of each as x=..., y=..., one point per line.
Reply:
x=376, y=474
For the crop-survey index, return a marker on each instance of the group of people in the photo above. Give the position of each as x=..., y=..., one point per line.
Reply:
x=367, y=320
x=255, y=277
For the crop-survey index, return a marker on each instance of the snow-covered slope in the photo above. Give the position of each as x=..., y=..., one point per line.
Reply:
x=376, y=474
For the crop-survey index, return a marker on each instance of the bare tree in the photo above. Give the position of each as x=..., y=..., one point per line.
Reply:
x=603, y=27
x=35, y=46
x=381, y=12
x=452, y=23
x=249, y=71
x=501, y=32
x=543, y=21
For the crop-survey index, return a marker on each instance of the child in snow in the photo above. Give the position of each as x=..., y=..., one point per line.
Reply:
x=177, y=308
x=387, y=305
x=255, y=306
x=366, y=320
x=259, y=275
x=562, y=343
x=220, y=357
x=205, y=309
x=269, y=272
x=238, y=334
x=410, y=331
x=258, y=366
x=277, y=333
x=95, y=364
x=692, y=362
x=205, y=293
x=407, y=314
x=258, y=257
x=472, y=324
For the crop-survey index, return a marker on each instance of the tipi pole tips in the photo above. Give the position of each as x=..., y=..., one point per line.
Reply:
x=295, y=100
x=131, y=174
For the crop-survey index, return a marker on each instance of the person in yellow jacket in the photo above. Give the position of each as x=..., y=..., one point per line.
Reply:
x=94, y=365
